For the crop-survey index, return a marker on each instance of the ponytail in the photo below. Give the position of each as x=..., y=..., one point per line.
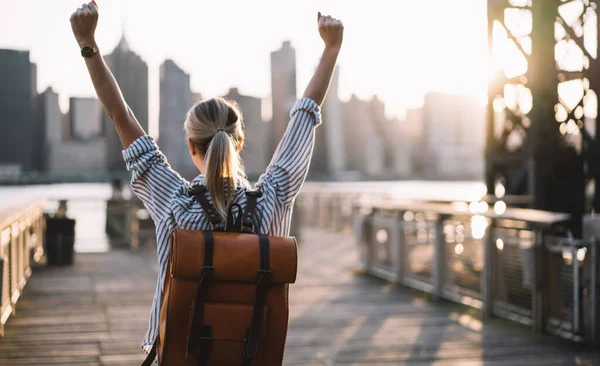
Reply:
x=215, y=127
x=222, y=168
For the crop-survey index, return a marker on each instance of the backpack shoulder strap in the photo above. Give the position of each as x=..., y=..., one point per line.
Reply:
x=151, y=356
x=200, y=193
x=200, y=334
x=252, y=341
x=249, y=222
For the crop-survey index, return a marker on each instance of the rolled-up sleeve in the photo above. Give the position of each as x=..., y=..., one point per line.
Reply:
x=291, y=160
x=152, y=179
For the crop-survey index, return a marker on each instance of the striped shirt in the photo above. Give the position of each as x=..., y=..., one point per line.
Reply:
x=165, y=193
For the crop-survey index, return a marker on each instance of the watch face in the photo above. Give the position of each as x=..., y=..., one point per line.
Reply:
x=87, y=51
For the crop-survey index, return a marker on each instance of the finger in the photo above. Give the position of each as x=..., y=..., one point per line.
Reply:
x=322, y=20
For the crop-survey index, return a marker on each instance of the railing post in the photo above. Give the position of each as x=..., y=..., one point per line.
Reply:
x=539, y=283
x=1, y=290
x=576, y=292
x=595, y=295
x=401, y=251
x=487, y=271
x=14, y=276
x=591, y=233
x=362, y=227
x=439, y=261
x=134, y=227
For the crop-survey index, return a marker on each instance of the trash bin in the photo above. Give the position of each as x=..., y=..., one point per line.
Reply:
x=60, y=241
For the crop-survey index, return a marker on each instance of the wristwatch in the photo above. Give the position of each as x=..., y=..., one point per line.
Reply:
x=88, y=51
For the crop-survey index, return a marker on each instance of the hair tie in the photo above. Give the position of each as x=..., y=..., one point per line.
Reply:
x=220, y=129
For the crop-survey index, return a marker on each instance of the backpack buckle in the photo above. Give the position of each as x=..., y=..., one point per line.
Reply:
x=254, y=193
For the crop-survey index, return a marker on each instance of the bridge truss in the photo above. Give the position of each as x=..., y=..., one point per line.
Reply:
x=542, y=103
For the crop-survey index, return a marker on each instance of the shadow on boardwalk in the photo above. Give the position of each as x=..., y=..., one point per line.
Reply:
x=95, y=313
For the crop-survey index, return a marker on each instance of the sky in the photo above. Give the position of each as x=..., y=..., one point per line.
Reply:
x=395, y=49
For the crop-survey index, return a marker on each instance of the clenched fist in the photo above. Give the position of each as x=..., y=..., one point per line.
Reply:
x=331, y=30
x=83, y=23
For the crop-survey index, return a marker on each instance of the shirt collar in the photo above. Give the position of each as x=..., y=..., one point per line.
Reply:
x=198, y=181
x=201, y=181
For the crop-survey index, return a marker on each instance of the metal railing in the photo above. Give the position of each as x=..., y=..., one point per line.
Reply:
x=21, y=246
x=505, y=262
x=128, y=223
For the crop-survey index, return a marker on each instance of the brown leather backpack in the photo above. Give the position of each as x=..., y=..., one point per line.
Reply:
x=225, y=295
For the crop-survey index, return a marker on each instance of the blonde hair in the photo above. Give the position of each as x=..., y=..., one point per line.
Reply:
x=215, y=127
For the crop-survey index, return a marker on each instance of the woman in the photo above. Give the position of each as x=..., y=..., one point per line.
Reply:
x=215, y=137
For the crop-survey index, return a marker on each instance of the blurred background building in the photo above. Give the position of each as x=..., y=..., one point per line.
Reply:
x=283, y=90
x=358, y=140
x=85, y=118
x=175, y=100
x=256, y=147
x=452, y=138
x=131, y=72
x=18, y=107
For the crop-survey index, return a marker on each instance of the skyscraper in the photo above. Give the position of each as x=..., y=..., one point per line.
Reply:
x=256, y=147
x=283, y=90
x=396, y=161
x=131, y=72
x=454, y=129
x=17, y=110
x=176, y=98
x=85, y=118
x=49, y=126
x=328, y=154
x=364, y=153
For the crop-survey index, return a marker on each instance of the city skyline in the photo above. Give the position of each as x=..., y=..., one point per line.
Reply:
x=380, y=148
x=373, y=63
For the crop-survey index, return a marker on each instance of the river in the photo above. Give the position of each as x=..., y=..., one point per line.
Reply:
x=86, y=201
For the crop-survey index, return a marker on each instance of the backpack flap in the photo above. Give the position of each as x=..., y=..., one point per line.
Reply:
x=236, y=256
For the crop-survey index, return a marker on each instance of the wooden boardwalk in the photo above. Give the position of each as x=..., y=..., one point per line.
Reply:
x=95, y=313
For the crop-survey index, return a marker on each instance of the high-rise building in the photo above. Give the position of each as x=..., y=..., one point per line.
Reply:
x=131, y=72
x=386, y=133
x=85, y=118
x=17, y=110
x=402, y=165
x=49, y=127
x=453, y=134
x=283, y=90
x=328, y=154
x=255, y=152
x=364, y=144
x=77, y=157
x=176, y=99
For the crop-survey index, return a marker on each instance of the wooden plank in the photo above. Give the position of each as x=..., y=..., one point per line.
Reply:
x=96, y=312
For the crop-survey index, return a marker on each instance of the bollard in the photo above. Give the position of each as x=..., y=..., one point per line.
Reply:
x=60, y=241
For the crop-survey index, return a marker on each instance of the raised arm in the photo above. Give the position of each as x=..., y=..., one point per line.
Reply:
x=83, y=23
x=332, y=33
